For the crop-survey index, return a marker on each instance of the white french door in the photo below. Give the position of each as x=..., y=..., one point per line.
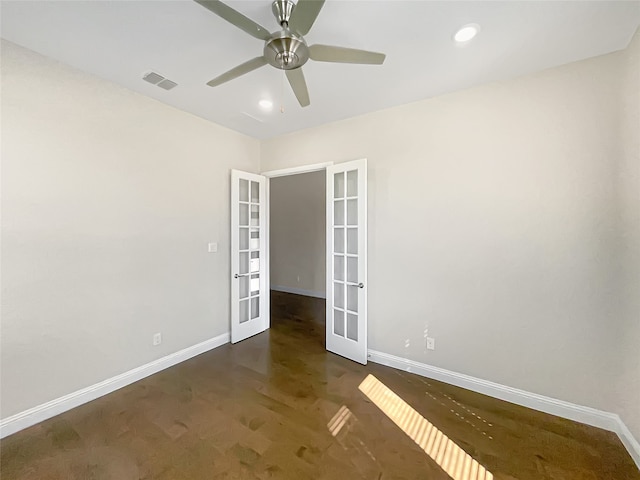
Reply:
x=347, y=260
x=249, y=294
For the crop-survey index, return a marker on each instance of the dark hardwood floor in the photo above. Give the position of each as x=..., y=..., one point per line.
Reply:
x=279, y=406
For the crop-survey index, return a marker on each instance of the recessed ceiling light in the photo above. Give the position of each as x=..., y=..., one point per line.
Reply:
x=466, y=33
x=265, y=104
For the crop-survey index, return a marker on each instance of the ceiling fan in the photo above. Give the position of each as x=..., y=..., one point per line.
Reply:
x=286, y=49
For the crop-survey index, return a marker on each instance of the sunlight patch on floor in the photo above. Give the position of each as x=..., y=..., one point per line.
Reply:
x=338, y=420
x=457, y=463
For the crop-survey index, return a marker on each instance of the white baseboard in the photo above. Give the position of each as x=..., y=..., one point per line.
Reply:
x=298, y=291
x=590, y=416
x=629, y=441
x=59, y=405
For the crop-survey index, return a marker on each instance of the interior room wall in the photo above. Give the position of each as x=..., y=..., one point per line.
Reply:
x=297, y=225
x=109, y=199
x=493, y=226
x=628, y=388
x=504, y=219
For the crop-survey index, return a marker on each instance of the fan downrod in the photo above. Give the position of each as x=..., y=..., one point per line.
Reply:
x=282, y=9
x=285, y=49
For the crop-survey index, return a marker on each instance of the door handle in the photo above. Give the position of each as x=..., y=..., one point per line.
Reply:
x=361, y=285
x=241, y=275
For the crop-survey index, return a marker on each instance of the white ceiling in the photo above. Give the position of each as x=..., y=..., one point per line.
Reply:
x=122, y=40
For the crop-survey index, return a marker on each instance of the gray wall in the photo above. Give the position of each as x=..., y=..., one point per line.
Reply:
x=108, y=201
x=298, y=238
x=493, y=223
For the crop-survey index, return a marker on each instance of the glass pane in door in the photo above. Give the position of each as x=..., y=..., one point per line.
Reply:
x=243, y=264
x=254, y=285
x=255, y=192
x=352, y=212
x=352, y=298
x=338, y=322
x=338, y=267
x=244, y=238
x=244, y=190
x=352, y=269
x=338, y=185
x=255, y=239
x=255, y=307
x=244, y=286
x=352, y=327
x=338, y=213
x=254, y=265
x=244, y=214
x=352, y=240
x=338, y=240
x=244, y=311
x=338, y=294
x=352, y=183
x=255, y=215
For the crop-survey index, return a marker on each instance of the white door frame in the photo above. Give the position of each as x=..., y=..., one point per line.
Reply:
x=282, y=173
x=316, y=167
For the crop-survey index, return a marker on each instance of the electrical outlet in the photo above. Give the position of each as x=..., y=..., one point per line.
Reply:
x=212, y=247
x=157, y=339
x=431, y=343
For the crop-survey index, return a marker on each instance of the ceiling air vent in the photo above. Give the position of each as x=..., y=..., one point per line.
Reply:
x=167, y=84
x=159, y=80
x=153, y=77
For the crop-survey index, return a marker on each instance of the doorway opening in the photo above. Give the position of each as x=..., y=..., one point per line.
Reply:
x=297, y=253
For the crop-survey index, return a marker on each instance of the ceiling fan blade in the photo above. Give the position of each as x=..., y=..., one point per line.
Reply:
x=299, y=86
x=327, y=53
x=246, y=67
x=304, y=14
x=236, y=18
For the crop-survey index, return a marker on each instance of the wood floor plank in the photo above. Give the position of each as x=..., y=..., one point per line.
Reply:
x=278, y=406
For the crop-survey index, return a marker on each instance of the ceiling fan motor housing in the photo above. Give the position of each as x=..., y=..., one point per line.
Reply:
x=285, y=49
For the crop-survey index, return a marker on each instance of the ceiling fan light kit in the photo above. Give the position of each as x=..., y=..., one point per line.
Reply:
x=286, y=49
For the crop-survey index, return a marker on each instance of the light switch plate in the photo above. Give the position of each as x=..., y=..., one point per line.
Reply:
x=213, y=247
